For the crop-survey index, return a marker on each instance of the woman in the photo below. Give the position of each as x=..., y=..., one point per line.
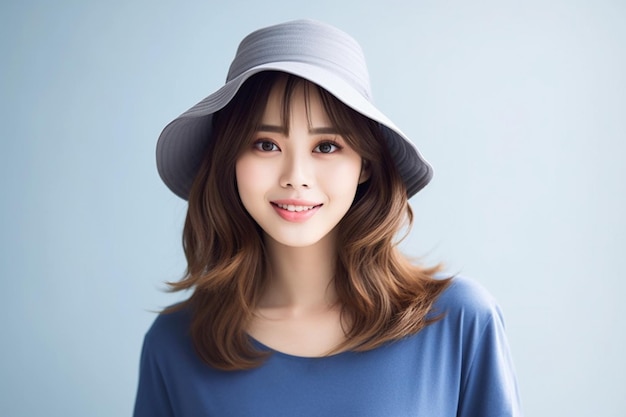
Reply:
x=302, y=305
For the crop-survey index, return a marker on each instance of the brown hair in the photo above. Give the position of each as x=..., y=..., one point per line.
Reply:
x=384, y=295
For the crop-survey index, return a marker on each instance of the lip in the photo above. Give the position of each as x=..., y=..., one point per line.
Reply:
x=310, y=208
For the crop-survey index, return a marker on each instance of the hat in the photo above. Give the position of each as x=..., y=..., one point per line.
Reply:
x=315, y=51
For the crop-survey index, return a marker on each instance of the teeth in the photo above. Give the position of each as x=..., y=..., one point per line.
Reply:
x=291, y=207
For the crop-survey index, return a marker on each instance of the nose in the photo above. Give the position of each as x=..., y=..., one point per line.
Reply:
x=297, y=172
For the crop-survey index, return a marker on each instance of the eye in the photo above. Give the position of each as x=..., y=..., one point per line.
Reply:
x=265, y=146
x=327, y=147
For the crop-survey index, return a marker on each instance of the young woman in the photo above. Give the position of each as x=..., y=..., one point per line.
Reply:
x=301, y=304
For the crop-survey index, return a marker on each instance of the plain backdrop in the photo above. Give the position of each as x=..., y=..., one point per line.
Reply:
x=519, y=105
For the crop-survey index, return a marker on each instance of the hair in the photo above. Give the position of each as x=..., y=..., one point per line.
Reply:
x=383, y=296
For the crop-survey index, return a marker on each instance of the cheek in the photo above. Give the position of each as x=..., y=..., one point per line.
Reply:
x=250, y=176
x=244, y=176
x=343, y=176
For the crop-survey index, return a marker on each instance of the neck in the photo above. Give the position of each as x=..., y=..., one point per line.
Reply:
x=301, y=277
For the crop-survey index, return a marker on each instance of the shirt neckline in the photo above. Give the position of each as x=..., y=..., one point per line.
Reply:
x=265, y=348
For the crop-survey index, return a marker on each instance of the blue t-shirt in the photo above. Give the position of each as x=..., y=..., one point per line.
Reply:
x=458, y=366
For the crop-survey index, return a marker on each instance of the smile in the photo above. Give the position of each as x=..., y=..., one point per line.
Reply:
x=291, y=207
x=297, y=213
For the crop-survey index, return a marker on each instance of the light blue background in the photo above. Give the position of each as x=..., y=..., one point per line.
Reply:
x=519, y=105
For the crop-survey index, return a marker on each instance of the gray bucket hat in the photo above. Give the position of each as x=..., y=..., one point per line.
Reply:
x=311, y=50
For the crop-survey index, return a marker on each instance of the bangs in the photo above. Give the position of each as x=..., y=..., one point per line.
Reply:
x=334, y=109
x=245, y=113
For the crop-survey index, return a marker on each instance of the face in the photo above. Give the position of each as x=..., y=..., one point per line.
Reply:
x=298, y=184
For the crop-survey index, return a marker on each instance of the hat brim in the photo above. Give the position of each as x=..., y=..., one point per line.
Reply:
x=182, y=142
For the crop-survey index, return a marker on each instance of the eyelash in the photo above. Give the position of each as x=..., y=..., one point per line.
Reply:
x=258, y=145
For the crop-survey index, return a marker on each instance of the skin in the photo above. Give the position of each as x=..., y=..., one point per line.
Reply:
x=310, y=167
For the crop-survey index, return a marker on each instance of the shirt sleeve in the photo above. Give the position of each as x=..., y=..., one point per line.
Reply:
x=152, y=397
x=489, y=387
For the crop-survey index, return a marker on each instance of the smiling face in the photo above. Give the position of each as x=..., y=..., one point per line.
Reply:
x=299, y=176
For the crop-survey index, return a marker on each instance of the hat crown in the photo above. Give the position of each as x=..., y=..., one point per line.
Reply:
x=308, y=42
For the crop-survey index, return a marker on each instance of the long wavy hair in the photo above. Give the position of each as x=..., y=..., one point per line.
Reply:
x=385, y=296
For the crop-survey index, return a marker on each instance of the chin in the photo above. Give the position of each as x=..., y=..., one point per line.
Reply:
x=297, y=242
x=301, y=239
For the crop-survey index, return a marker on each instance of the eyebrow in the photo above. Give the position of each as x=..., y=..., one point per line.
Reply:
x=314, y=130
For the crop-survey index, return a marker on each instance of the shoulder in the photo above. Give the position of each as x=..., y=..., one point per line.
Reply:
x=473, y=320
x=170, y=330
x=467, y=302
x=467, y=294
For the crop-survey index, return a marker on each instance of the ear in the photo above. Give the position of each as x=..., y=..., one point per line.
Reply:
x=365, y=171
